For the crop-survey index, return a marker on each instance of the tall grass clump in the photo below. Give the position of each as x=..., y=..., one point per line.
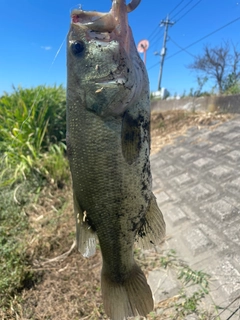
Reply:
x=32, y=152
x=32, y=133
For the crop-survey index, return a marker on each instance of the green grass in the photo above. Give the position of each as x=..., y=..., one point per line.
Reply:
x=14, y=271
x=32, y=132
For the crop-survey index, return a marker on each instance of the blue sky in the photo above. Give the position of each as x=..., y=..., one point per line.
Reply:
x=32, y=32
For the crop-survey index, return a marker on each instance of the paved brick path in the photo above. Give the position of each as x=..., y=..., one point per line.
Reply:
x=197, y=185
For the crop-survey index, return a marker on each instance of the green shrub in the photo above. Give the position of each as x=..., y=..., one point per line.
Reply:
x=234, y=89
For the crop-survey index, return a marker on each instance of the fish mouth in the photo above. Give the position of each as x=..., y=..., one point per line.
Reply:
x=98, y=22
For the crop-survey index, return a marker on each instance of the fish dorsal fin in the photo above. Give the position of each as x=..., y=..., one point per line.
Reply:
x=153, y=231
x=86, y=237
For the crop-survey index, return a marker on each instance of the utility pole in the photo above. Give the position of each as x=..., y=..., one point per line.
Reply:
x=165, y=23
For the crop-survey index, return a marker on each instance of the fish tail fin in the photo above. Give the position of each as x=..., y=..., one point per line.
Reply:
x=128, y=298
x=153, y=231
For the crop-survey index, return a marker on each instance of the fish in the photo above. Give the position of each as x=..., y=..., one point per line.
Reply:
x=108, y=147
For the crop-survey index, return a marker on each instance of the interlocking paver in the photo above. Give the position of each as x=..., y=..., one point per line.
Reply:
x=220, y=242
x=189, y=156
x=170, y=171
x=162, y=197
x=234, y=186
x=232, y=136
x=234, y=155
x=232, y=232
x=175, y=214
x=218, y=149
x=228, y=276
x=199, y=145
x=184, y=178
x=203, y=163
x=221, y=172
x=199, y=194
x=177, y=151
x=161, y=163
x=196, y=241
x=164, y=287
x=221, y=209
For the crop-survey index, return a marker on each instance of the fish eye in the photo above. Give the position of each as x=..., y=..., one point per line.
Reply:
x=77, y=48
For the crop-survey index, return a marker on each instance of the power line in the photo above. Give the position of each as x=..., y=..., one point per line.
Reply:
x=199, y=40
x=157, y=39
x=183, y=49
x=208, y=35
x=189, y=10
x=157, y=36
x=176, y=7
x=182, y=8
x=153, y=33
x=154, y=65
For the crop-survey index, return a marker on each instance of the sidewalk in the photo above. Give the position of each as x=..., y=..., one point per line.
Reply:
x=197, y=184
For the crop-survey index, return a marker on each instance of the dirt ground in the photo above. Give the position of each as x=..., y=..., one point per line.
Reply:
x=167, y=126
x=66, y=285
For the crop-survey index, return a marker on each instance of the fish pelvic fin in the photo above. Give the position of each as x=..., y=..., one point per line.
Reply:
x=129, y=298
x=85, y=236
x=153, y=230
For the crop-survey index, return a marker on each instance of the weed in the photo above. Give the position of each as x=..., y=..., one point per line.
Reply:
x=196, y=277
x=188, y=304
x=161, y=124
x=168, y=259
x=54, y=165
x=14, y=270
x=193, y=290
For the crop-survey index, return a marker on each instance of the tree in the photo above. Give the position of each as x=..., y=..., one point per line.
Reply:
x=221, y=63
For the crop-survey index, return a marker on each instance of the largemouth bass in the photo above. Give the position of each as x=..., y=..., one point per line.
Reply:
x=108, y=142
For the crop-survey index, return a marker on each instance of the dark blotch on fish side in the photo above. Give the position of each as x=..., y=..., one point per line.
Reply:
x=146, y=179
x=119, y=277
x=131, y=137
x=95, y=108
x=137, y=224
x=142, y=230
x=145, y=229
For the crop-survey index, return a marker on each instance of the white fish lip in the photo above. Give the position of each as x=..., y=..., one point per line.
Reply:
x=105, y=22
x=95, y=21
x=105, y=82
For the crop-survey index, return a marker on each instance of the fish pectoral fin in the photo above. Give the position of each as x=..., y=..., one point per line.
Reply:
x=85, y=236
x=153, y=231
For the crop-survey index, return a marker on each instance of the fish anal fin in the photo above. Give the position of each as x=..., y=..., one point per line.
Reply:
x=130, y=298
x=85, y=236
x=153, y=230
